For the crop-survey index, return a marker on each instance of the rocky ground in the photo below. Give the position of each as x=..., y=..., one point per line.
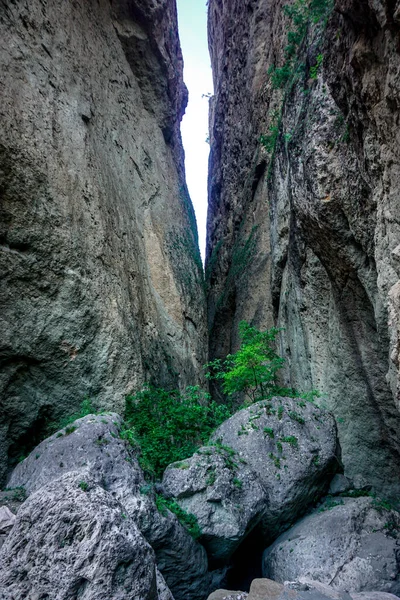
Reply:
x=91, y=525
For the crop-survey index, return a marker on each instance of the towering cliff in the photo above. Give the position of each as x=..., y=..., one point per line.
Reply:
x=303, y=228
x=101, y=274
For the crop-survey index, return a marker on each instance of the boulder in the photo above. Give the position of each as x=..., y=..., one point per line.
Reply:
x=227, y=595
x=348, y=543
x=333, y=594
x=340, y=484
x=73, y=539
x=224, y=494
x=93, y=446
x=291, y=445
x=265, y=589
x=182, y=561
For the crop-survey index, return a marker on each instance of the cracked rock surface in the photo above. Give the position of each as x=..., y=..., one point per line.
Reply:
x=306, y=236
x=349, y=544
x=92, y=446
x=71, y=538
x=101, y=277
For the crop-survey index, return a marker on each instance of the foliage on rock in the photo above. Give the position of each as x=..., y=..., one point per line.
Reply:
x=169, y=426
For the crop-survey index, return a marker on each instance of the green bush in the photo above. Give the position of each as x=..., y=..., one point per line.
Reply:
x=188, y=520
x=253, y=369
x=86, y=409
x=169, y=426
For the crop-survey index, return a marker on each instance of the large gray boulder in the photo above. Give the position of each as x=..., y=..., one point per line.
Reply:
x=73, y=539
x=291, y=445
x=224, y=494
x=350, y=544
x=93, y=446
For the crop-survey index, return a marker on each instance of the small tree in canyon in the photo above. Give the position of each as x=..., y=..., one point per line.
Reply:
x=253, y=369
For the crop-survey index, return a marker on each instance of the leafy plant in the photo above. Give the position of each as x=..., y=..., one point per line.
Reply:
x=290, y=439
x=330, y=503
x=188, y=520
x=70, y=429
x=237, y=482
x=84, y=486
x=296, y=417
x=85, y=409
x=169, y=426
x=314, y=69
x=18, y=493
x=253, y=369
x=269, y=431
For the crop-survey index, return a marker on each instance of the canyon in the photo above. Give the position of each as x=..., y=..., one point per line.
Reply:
x=103, y=292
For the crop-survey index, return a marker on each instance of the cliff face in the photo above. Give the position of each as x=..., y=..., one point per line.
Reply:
x=101, y=275
x=303, y=231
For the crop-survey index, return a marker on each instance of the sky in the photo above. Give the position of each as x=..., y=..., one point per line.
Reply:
x=192, y=22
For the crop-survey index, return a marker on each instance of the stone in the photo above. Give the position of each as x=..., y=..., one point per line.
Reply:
x=335, y=594
x=93, y=446
x=7, y=519
x=265, y=589
x=71, y=537
x=227, y=595
x=339, y=484
x=349, y=543
x=304, y=236
x=223, y=493
x=291, y=445
x=102, y=282
x=162, y=589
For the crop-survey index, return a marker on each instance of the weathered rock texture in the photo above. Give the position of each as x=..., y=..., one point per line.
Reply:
x=269, y=463
x=101, y=275
x=223, y=493
x=292, y=448
x=307, y=237
x=72, y=539
x=92, y=447
x=350, y=546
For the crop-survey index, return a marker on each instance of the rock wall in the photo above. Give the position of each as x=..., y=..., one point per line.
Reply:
x=101, y=277
x=303, y=232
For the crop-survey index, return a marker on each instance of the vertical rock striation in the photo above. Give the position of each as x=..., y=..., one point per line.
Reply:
x=101, y=277
x=304, y=233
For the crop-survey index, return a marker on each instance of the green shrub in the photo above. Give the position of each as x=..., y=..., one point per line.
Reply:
x=86, y=409
x=169, y=426
x=253, y=369
x=269, y=431
x=290, y=439
x=187, y=519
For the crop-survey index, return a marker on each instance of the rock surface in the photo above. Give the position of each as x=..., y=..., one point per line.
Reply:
x=291, y=445
x=93, y=447
x=7, y=519
x=72, y=538
x=266, y=589
x=307, y=236
x=102, y=284
x=353, y=544
x=224, y=494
